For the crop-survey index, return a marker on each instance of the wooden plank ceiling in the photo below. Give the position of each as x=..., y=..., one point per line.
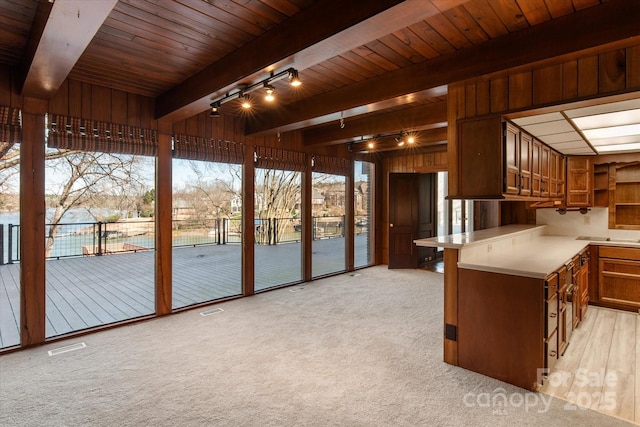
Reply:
x=381, y=65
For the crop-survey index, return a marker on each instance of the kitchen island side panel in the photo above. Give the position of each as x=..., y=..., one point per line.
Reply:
x=501, y=326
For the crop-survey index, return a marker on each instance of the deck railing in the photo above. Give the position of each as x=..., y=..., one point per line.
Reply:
x=103, y=238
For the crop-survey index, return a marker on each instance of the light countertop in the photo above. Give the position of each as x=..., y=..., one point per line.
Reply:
x=521, y=250
x=457, y=241
x=543, y=256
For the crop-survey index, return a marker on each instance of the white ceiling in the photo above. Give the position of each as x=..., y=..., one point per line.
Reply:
x=600, y=129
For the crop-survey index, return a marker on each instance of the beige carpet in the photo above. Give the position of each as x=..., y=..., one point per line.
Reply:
x=352, y=350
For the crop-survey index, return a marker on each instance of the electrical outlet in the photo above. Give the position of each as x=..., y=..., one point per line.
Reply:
x=489, y=247
x=587, y=220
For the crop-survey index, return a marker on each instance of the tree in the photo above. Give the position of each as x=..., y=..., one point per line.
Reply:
x=91, y=180
x=277, y=193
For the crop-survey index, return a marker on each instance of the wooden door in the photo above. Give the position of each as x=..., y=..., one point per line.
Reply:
x=511, y=159
x=427, y=210
x=403, y=219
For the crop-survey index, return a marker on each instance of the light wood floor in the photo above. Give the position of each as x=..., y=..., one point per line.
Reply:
x=600, y=368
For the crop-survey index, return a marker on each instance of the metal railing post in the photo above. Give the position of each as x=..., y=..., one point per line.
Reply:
x=225, y=230
x=99, y=238
x=10, y=253
x=1, y=244
x=275, y=231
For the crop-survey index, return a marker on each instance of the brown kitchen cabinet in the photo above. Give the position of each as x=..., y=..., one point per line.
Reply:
x=581, y=281
x=518, y=148
x=513, y=164
x=601, y=185
x=579, y=183
x=553, y=334
x=619, y=277
x=557, y=176
x=624, y=196
x=563, y=287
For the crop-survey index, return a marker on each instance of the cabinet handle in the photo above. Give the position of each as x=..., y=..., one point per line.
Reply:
x=552, y=315
x=552, y=353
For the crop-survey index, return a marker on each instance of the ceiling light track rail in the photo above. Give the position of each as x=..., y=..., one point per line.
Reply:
x=244, y=90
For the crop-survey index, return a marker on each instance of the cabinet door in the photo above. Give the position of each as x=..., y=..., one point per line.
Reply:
x=561, y=179
x=526, y=148
x=536, y=158
x=511, y=159
x=545, y=160
x=579, y=185
x=553, y=175
x=619, y=282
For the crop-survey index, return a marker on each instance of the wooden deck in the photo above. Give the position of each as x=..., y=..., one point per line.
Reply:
x=86, y=292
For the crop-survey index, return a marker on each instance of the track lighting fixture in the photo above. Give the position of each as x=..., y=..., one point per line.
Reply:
x=243, y=90
x=401, y=139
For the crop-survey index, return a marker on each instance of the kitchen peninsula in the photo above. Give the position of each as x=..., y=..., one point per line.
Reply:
x=512, y=296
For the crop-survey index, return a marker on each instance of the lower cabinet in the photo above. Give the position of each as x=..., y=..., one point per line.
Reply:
x=619, y=277
x=552, y=325
x=513, y=328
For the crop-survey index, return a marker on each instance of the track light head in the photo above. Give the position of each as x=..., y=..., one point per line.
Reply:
x=215, y=110
x=294, y=78
x=269, y=97
x=245, y=101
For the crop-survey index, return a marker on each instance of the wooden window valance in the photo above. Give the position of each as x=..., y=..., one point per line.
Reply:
x=10, y=129
x=72, y=133
x=277, y=158
x=332, y=165
x=209, y=150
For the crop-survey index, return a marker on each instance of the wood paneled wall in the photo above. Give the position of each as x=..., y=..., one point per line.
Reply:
x=542, y=87
x=398, y=162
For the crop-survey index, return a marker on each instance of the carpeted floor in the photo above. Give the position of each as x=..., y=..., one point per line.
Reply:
x=352, y=350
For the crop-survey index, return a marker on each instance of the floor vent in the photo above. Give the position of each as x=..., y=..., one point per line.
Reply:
x=67, y=348
x=296, y=289
x=355, y=274
x=211, y=311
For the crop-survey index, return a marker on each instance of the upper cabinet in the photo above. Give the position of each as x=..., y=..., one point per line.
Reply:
x=624, y=195
x=496, y=160
x=579, y=182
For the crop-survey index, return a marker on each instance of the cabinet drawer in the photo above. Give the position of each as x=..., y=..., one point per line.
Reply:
x=551, y=351
x=620, y=253
x=552, y=316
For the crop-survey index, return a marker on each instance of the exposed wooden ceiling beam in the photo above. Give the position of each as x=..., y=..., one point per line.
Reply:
x=428, y=116
x=299, y=42
x=591, y=27
x=61, y=32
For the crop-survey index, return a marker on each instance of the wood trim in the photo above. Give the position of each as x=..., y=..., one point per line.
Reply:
x=248, y=231
x=349, y=227
x=32, y=225
x=163, y=253
x=307, y=222
x=450, y=348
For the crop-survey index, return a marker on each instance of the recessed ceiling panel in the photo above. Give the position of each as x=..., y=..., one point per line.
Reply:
x=548, y=128
x=540, y=118
x=562, y=137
